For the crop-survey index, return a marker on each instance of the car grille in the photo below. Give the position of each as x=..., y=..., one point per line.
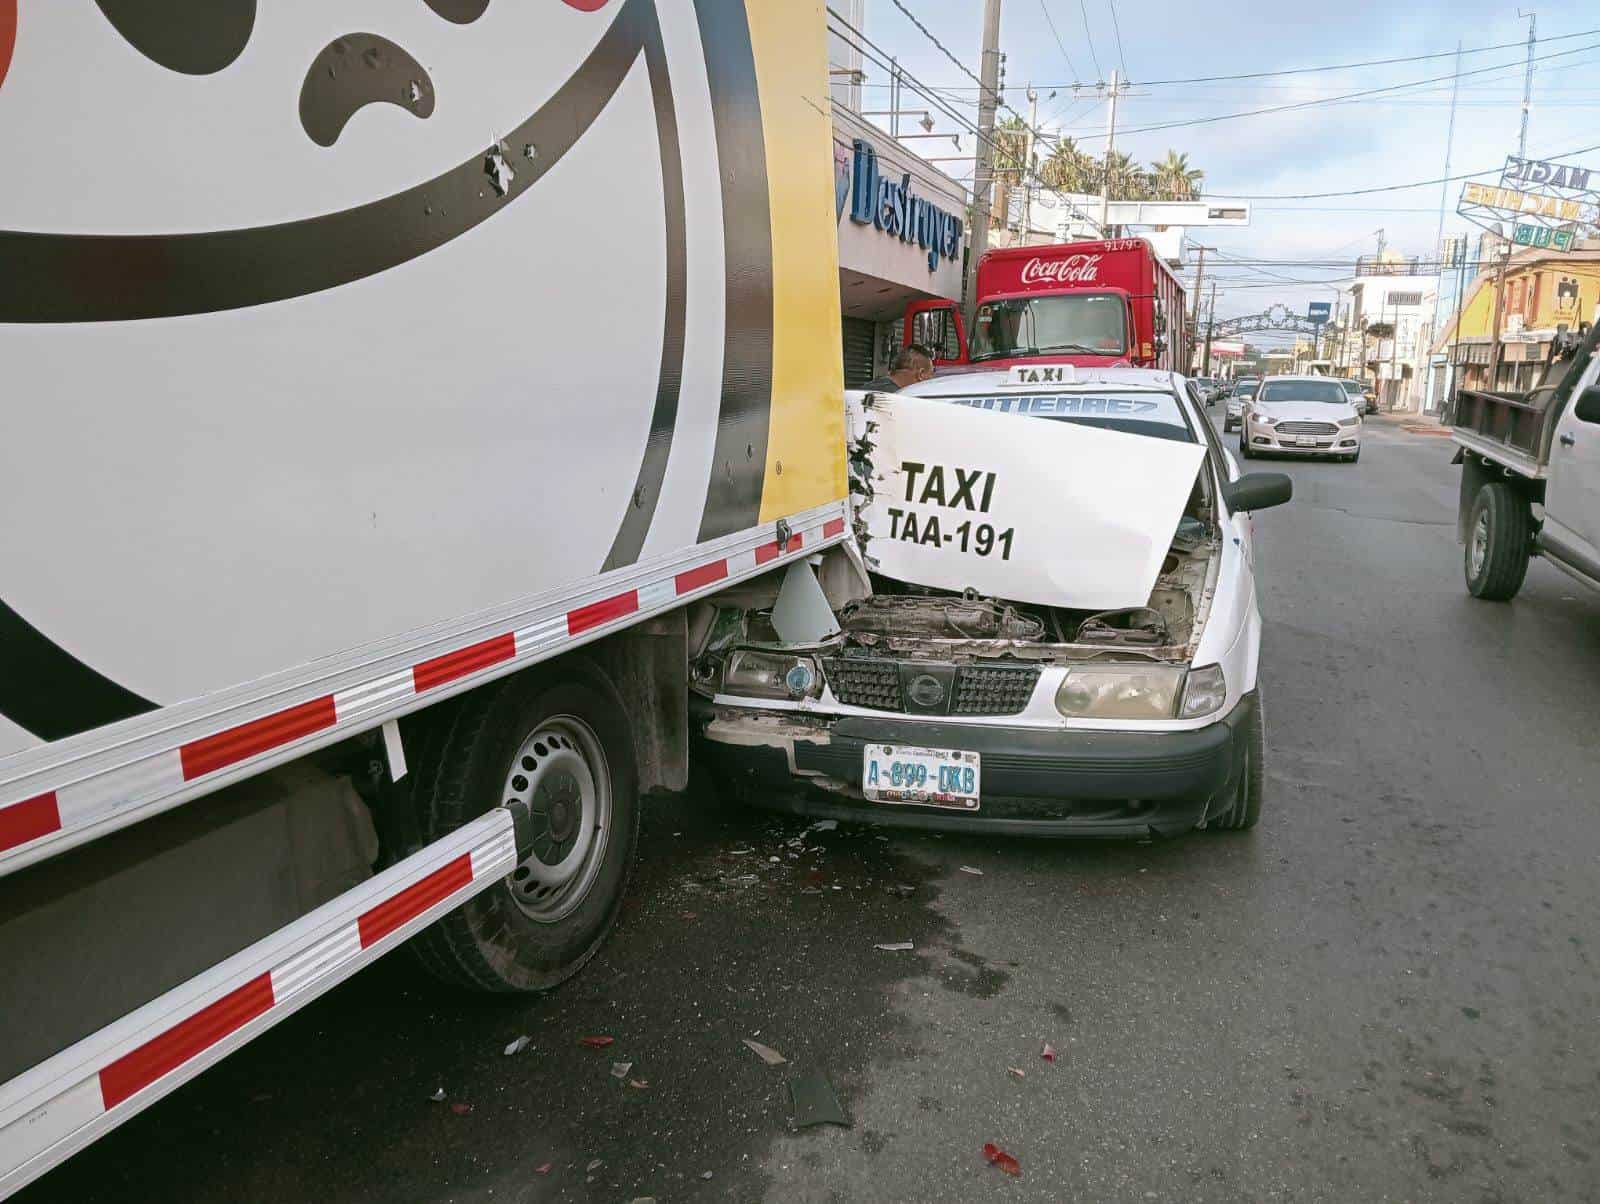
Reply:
x=1320, y=429
x=979, y=689
x=865, y=683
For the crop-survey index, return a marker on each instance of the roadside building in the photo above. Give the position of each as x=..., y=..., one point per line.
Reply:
x=1544, y=290
x=1390, y=305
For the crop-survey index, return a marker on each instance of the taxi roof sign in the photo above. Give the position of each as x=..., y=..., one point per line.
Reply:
x=1043, y=374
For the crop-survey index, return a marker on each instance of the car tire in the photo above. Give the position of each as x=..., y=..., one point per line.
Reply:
x=1244, y=448
x=1243, y=810
x=532, y=930
x=1499, y=542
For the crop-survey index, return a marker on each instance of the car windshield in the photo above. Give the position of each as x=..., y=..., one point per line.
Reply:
x=1247, y=388
x=1075, y=324
x=1145, y=412
x=1351, y=386
x=1303, y=390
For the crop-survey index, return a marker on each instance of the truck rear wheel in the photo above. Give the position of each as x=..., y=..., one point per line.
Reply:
x=1499, y=542
x=557, y=739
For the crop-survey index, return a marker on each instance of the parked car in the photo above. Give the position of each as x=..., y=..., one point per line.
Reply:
x=1303, y=416
x=1243, y=390
x=1123, y=708
x=1209, y=389
x=1361, y=395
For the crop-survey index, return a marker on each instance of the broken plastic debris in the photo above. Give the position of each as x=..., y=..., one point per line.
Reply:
x=705, y=1174
x=438, y=1096
x=543, y=1168
x=499, y=171
x=896, y=947
x=460, y=1108
x=824, y=825
x=619, y=1070
x=638, y=1084
x=596, y=1042
x=593, y=1166
x=1017, y=1071
x=972, y=869
x=998, y=1157
x=815, y=1103
x=765, y=1052
x=1048, y=1053
x=520, y=1044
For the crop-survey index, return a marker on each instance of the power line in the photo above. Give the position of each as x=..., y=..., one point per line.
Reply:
x=1414, y=58
x=1089, y=38
x=943, y=49
x=1116, y=27
x=1310, y=104
x=1060, y=45
x=1318, y=196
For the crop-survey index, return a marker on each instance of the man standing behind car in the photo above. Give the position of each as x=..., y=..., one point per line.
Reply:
x=914, y=363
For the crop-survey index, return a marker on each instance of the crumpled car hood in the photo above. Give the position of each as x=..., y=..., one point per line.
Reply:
x=1014, y=506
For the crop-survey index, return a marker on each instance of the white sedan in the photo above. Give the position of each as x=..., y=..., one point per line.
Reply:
x=1302, y=416
x=1050, y=626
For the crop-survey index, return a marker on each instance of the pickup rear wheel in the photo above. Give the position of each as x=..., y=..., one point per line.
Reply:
x=1243, y=811
x=1499, y=541
x=558, y=740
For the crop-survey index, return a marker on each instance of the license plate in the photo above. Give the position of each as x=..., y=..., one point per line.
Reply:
x=932, y=777
x=1305, y=441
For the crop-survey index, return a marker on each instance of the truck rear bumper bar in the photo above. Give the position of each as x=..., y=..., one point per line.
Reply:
x=54, y=1109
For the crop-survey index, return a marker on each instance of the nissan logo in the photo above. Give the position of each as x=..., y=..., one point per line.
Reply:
x=926, y=691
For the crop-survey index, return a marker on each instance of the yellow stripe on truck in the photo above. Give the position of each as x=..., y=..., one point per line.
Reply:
x=805, y=444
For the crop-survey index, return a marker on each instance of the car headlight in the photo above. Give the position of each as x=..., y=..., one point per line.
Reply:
x=1120, y=691
x=771, y=675
x=1353, y=421
x=1204, y=692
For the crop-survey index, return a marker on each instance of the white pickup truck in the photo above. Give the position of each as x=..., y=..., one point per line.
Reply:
x=1530, y=473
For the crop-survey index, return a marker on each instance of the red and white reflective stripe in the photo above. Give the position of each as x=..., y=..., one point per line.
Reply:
x=47, y=812
x=57, y=1107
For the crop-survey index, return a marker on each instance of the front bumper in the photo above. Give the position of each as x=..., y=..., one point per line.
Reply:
x=1265, y=439
x=1035, y=783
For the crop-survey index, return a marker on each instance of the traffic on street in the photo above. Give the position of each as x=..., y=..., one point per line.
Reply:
x=644, y=600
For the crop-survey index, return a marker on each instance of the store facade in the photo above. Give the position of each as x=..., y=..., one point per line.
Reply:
x=902, y=237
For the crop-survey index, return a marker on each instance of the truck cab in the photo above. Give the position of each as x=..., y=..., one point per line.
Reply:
x=1092, y=304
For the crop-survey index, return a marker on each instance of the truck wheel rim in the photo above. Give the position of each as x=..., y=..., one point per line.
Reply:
x=560, y=772
x=1479, y=552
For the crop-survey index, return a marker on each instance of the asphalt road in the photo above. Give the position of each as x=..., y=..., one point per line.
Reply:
x=1387, y=992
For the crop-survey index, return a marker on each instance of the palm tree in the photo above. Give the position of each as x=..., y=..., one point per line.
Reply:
x=1175, y=180
x=1067, y=168
x=1010, y=169
x=1128, y=183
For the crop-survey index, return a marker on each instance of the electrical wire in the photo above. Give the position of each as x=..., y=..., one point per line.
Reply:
x=1116, y=27
x=1060, y=45
x=1089, y=38
x=1311, y=104
x=1318, y=196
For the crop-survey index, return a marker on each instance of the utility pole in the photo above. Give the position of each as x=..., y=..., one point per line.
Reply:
x=1111, y=145
x=1444, y=193
x=1211, y=323
x=1027, y=168
x=983, y=159
x=1199, y=283
x=1527, y=82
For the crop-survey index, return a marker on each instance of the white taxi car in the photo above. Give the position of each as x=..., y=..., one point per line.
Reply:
x=1302, y=416
x=1047, y=624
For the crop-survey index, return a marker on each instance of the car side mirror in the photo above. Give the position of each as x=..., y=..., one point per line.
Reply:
x=1258, y=491
x=1588, y=407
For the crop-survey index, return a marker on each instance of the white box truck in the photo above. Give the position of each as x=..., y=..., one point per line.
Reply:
x=377, y=402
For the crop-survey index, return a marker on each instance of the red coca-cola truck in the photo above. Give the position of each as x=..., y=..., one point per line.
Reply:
x=1094, y=304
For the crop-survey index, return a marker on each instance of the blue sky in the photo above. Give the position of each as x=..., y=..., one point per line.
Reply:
x=1389, y=139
